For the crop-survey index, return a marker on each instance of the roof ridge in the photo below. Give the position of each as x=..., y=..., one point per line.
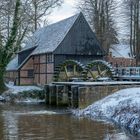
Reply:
x=58, y=31
x=118, y=48
x=76, y=15
x=47, y=27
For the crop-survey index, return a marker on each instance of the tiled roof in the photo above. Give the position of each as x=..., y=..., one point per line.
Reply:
x=120, y=50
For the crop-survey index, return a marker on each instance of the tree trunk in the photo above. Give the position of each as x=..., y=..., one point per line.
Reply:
x=2, y=84
x=134, y=32
x=35, y=18
x=137, y=33
x=132, y=51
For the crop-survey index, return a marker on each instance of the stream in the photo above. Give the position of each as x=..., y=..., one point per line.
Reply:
x=38, y=122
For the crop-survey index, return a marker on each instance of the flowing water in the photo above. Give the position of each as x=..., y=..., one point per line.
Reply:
x=38, y=122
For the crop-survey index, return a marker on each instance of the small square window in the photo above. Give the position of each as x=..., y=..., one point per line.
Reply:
x=30, y=73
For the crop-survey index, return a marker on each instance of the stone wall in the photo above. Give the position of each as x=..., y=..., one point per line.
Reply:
x=81, y=96
x=90, y=94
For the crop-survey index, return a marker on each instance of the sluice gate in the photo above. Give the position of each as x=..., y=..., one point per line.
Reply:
x=82, y=94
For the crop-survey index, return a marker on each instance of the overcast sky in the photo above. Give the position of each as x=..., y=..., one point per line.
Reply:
x=66, y=10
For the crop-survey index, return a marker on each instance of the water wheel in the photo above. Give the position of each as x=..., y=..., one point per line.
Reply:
x=68, y=70
x=98, y=69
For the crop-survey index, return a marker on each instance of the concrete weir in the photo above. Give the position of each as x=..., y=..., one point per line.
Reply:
x=82, y=94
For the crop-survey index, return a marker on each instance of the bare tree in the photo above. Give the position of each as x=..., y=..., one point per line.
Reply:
x=33, y=13
x=6, y=10
x=6, y=20
x=16, y=21
x=132, y=13
x=100, y=15
x=7, y=45
x=38, y=9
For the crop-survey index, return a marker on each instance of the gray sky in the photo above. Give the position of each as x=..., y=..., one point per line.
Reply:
x=66, y=10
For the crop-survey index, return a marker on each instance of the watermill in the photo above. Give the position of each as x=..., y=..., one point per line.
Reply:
x=93, y=71
x=68, y=70
x=98, y=69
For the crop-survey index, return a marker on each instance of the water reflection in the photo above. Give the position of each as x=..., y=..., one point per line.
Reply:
x=10, y=125
x=19, y=124
x=1, y=125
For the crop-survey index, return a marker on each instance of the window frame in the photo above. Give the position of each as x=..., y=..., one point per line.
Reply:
x=30, y=73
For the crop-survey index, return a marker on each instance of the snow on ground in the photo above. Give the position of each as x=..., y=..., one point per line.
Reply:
x=23, y=94
x=42, y=112
x=18, y=89
x=99, y=83
x=121, y=108
x=30, y=101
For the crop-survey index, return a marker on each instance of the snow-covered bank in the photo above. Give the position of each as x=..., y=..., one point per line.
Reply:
x=22, y=94
x=121, y=108
x=17, y=89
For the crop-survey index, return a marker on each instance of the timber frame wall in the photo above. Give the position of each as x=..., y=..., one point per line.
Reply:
x=11, y=76
x=38, y=70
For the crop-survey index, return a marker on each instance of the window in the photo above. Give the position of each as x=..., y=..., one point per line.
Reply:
x=49, y=58
x=116, y=64
x=30, y=73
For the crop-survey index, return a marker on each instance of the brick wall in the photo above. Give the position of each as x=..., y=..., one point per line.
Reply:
x=11, y=76
x=42, y=71
x=26, y=81
x=24, y=78
x=50, y=68
x=28, y=64
x=121, y=61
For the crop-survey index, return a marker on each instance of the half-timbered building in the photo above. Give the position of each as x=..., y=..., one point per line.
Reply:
x=71, y=38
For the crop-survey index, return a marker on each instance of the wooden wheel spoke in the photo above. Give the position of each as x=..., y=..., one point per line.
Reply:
x=97, y=77
x=99, y=70
x=69, y=69
x=103, y=72
x=92, y=75
x=66, y=71
x=74, y=70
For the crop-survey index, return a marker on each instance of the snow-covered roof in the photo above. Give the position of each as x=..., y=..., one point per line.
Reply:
x=48, y=38
x=13, y=64
x=120, y=50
